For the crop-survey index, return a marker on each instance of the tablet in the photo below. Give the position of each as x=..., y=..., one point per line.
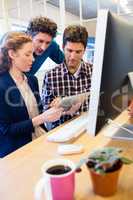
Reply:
x=67, y=102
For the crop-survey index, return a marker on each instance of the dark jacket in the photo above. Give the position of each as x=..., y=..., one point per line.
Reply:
x=15, y=126
x=53, y=52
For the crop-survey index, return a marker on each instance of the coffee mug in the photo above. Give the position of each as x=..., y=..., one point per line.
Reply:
x=58, y=181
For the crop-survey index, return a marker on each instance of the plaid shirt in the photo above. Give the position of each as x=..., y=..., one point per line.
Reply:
x=59, y=82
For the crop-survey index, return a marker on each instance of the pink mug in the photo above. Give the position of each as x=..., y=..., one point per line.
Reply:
x=58, y=181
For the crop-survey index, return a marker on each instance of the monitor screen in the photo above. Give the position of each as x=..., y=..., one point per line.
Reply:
x=113, y=60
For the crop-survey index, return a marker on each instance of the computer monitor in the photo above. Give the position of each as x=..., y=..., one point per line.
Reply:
x=113, y=59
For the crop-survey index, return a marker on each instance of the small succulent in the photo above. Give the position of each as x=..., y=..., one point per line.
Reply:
x=106, y=159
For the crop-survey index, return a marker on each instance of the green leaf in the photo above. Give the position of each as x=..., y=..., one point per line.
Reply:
x=100, y=171
x=126, y=160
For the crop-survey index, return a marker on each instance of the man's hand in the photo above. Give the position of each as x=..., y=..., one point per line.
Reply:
x=56, y=102
x=74, y=108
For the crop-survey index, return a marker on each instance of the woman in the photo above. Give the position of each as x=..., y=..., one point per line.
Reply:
x=19, y=95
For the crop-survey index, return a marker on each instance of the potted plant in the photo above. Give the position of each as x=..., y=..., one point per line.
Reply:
x=104, y=165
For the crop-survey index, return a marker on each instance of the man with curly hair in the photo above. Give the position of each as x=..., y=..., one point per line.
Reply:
x=43, y=30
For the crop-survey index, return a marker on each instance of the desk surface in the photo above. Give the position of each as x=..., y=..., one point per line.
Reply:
x=20, y=171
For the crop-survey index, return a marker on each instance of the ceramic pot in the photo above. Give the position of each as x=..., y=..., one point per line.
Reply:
x=104, y=184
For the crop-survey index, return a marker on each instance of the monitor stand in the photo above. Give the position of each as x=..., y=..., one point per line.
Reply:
x=123, y=134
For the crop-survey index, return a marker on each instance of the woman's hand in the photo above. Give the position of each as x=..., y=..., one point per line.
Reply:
x=50, y=115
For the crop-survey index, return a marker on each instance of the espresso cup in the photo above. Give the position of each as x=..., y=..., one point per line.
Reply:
x=58, y=180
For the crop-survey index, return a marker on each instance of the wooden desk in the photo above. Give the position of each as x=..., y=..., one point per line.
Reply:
x=20, y=171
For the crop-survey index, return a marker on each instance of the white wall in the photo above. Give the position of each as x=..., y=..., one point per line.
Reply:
x=91, y=27
x=37, y=10
x=2, y=26
x=1, y=11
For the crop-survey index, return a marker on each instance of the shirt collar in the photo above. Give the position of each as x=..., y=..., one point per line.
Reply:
x=81, y=69
x=76, y=74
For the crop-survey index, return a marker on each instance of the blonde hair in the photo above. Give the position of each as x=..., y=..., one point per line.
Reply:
x=14, y=41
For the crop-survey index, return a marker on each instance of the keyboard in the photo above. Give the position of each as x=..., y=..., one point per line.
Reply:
x=69, y=131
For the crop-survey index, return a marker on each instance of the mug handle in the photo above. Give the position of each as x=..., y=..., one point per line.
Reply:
x=43, y=185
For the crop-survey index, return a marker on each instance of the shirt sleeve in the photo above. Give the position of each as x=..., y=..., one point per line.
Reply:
x=56, y=54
